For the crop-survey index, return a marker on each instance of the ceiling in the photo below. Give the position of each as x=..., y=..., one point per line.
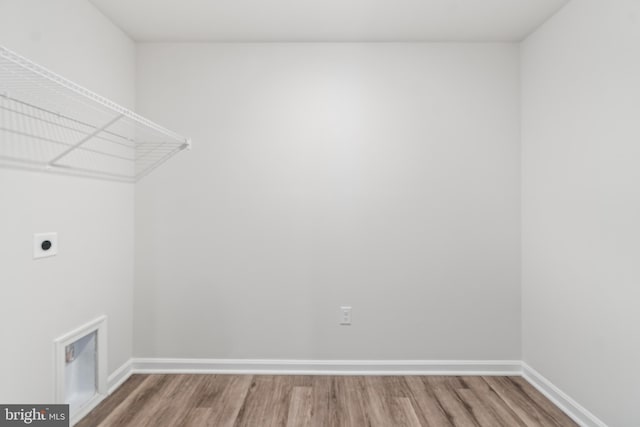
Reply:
x=328, y=20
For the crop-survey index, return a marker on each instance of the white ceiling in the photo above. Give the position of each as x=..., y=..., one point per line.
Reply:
x=328, y=20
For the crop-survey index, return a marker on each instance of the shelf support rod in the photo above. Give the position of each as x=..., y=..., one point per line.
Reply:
x=83, y=140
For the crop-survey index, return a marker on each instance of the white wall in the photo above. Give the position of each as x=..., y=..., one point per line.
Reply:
x=93, y=272
x=381, y=176
x=581, y=169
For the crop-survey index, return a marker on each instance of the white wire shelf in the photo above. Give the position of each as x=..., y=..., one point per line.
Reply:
x=50, y=123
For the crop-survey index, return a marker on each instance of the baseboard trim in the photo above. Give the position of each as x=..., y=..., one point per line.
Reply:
x=120, y=375
x=327, y=367
x=562, y=400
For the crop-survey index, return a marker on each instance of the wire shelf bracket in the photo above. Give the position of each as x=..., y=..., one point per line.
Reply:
x=52, y=124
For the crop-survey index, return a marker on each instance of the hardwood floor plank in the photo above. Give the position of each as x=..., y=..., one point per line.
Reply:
x=445, y=391
x=350, y=410
x=185, y=400
x=197, y=417
x=267, y=402
x=480, y=412
x=173, y=400
x=130, y=407
x=211, y=388
x=216, y=404
x=109, y=405
x=181, y=402
x=399, y=400
x=377, y=402
x=230, y=402
x=427, y=404
x=491, y=400
x=300, y=407
x=552, y=410
x=324, y=402
x=410, y=418
x=527, y=410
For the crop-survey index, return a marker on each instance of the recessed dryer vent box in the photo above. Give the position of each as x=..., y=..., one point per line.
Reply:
x=81, y=368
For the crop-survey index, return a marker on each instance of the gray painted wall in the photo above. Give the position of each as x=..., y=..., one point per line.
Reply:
x=44, y=299
x=581, y=204
x=381, y=176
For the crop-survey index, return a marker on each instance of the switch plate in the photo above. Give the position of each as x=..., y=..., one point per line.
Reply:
x=345, y=315
x=45, y=245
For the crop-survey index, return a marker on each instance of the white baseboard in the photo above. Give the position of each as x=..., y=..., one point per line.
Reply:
x=327, y=367
x=563, y=401
x=120, y=375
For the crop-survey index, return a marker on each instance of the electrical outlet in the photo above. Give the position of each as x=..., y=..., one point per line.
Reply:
x=345, y=315
x=45, y=245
